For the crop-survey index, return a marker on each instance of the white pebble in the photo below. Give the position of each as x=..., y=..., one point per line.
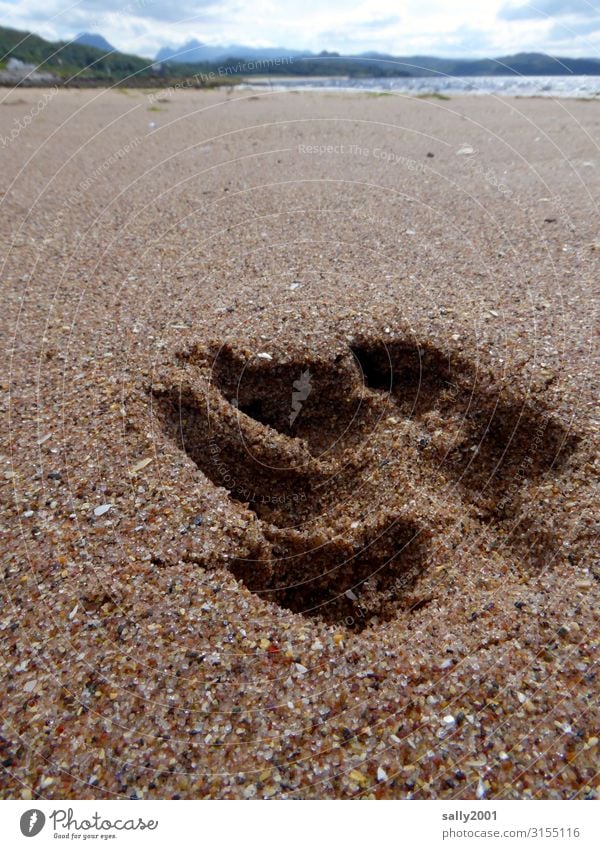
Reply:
x=381, y=774
x=100, y=511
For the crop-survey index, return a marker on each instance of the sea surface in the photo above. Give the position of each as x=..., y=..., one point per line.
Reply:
x=555, y=86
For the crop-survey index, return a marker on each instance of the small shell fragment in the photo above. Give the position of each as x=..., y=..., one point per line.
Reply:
x=141, y=465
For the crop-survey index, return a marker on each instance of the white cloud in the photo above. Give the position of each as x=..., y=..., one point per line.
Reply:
x=401, y=27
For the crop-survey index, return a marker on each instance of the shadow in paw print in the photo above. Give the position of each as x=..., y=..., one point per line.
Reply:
x=349, y=578
x=486, y=441
x=315, y=400
x=237, y=424
x=287, y=439
x=414, y=375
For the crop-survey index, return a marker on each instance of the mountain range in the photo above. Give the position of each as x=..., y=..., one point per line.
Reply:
x=94, y=39
x=379, y=64
x=195, y=51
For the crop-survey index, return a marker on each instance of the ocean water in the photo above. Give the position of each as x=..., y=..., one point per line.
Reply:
x=555, y=86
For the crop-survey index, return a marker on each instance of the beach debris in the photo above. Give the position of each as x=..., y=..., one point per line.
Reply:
x=44, y=439
x=141, y=465
x=264, y=356
x=101, y=510
x=465, y=150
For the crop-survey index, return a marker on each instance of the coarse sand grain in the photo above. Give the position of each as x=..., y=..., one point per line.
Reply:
x=299, y=470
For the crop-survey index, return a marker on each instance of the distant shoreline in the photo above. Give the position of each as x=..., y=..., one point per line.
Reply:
x=583, y=87
x=439, y=86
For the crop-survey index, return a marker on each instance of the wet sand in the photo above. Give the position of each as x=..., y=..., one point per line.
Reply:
x=299, y=455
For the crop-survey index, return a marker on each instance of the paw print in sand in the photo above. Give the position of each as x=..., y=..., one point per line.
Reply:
x=356, y=465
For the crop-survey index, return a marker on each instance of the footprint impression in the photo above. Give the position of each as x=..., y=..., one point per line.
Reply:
x=353, y=465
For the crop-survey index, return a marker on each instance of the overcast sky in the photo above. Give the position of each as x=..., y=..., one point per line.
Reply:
x=441, y=27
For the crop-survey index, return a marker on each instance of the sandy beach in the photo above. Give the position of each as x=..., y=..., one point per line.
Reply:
x=299, y=446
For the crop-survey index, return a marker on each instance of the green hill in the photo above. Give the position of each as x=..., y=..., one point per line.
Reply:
x=68, y=59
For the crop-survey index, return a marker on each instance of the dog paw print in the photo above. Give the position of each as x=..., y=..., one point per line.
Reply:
x=352, y=463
